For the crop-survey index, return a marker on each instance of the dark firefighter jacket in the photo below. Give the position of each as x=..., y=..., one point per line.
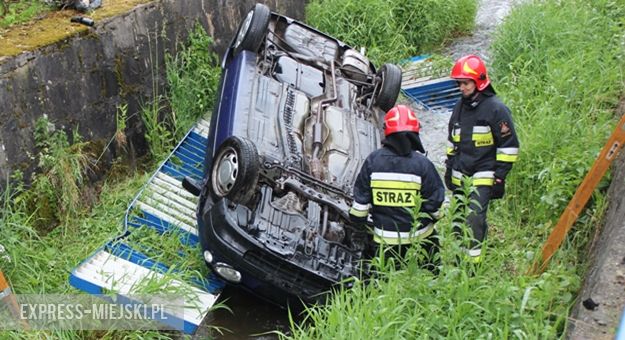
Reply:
x=388, y=185
x=482, y=142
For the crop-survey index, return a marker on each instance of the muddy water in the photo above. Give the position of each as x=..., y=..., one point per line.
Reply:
x=434, y=132
x=250, y=317
x=490, y=14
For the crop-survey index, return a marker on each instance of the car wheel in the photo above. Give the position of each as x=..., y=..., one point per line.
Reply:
x=390, y=77
x=235, y=170
x=252, y=29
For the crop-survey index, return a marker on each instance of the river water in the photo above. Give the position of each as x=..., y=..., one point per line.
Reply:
x=434, y=123
x=250, y=317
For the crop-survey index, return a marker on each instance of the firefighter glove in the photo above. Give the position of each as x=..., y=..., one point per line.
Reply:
x=499, y=188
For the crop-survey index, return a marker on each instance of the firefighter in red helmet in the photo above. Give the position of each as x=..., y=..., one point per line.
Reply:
x=482, y=145
x=389, y=184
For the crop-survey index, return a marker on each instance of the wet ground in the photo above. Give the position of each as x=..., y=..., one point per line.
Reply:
x=489, y=14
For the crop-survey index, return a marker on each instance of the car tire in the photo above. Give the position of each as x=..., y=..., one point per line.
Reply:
x=235, y=169
x=390, y=78
x=252, y=29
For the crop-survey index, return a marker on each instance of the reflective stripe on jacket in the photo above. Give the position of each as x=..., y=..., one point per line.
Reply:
x=481, y=139
x=388, y=186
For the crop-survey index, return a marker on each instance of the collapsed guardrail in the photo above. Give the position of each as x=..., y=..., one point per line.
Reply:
x=159, y=244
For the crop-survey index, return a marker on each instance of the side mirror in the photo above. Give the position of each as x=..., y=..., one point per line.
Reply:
x=192, y=186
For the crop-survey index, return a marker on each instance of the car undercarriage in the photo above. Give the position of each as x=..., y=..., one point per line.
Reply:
x=298, y=114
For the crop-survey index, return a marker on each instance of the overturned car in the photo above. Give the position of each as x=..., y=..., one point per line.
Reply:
x=297, y=114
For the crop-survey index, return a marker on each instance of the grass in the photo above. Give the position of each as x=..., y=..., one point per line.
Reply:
x=192, y=76
x=573, y=86
x=185, y=261
x=54, y=26
x=559, y=66
x=38, y=260
x=40, y=264
x=57, y=188
x=18, y=12
x=486, y=300
x=393, y=30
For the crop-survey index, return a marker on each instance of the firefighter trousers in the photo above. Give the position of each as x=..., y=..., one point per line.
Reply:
x=476, y=220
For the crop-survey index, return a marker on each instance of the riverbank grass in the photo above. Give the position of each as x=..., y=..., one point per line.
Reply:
x=559, y=66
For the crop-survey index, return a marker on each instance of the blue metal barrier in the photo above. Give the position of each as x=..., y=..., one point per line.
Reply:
x=164, y=208
x=428, y=89
x=620, y=331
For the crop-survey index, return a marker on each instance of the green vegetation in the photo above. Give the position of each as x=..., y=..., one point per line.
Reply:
x=48, y=229
x=466, y=300
x=559, y=66
x=185, y=263
x=40, y=263
x=192, y=76
x=393, y=30
x=22, y=11
x=57, y=188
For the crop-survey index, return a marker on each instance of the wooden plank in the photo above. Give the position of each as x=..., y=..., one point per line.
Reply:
x=608, y=153
x=8, y=298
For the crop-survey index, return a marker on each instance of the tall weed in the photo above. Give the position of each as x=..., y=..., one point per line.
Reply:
x=465, y=300
x=39, y=264
x=56, y=188
x=559, y=66
x=393, y=30
x=159, y=124
x=192, y=75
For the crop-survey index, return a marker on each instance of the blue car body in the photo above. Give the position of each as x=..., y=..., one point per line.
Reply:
x=297, y=113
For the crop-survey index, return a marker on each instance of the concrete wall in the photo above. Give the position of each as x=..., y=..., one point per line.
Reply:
x=601, y=301
x=79, y=81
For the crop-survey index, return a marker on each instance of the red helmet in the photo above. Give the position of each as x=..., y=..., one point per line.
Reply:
x=471, y=67
x=400, y=118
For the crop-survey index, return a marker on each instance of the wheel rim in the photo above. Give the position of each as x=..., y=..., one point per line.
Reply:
x=243, y=30
x=226, y=171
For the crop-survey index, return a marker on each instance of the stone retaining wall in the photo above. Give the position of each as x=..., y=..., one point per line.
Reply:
x=78, y=82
